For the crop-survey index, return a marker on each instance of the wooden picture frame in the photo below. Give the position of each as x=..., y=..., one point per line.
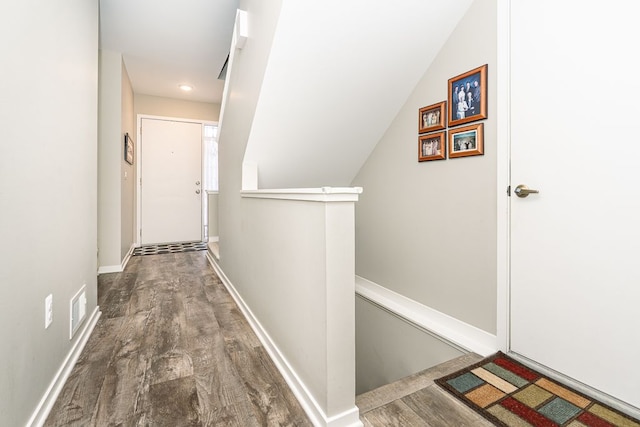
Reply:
x=432, y=117
x=432, y=146
x=468, y=96
x=466, y=141
x=129, y=149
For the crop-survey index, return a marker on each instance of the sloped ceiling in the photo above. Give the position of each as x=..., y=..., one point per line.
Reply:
x=337, y=75
x=165, y=43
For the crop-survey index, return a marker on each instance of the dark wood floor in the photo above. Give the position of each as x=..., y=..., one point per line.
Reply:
x=172, y=349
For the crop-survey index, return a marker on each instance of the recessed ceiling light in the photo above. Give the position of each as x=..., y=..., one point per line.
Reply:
x=186, y=88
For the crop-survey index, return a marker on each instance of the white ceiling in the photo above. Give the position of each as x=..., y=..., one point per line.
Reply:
x=165, y=43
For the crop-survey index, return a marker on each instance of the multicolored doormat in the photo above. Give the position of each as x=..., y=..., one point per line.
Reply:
x=170, y=248
x=512, y=395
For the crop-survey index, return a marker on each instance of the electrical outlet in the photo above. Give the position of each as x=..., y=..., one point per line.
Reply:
x=48, y=311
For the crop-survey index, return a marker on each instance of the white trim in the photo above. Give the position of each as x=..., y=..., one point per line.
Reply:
x=621, y=406
x=117, y=268
x=176, y=119
x=450, y=329
x=41, y=412
x=323, y=194
x=349, y=418
x=127, y=257
x=109, y=269
x=503, y=175
x=213, y=249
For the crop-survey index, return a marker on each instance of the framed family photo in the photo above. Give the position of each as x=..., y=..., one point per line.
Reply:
x=468, y=96
x=466, y=141
x=432, y=147
x=432, y=117
x=128, y=149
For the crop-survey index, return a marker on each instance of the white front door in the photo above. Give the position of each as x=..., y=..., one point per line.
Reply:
x=575, y=246
x=171, y=175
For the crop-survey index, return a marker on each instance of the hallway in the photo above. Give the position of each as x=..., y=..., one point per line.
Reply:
x=172, y=349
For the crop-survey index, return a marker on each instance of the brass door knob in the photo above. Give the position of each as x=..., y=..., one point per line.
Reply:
x=523, y=191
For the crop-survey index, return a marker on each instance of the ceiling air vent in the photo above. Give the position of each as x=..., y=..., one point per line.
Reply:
x=223, y=72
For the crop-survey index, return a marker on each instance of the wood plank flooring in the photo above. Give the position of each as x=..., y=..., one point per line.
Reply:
x=172, y=349
x=417, y=401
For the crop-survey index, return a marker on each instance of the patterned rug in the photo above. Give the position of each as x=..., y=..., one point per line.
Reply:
x=170, y=248
x=509, y=394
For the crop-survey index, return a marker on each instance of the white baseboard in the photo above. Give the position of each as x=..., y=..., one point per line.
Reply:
x=214, y=249
x=104, y=269
x=39, y=416
x=349, y=418
x=117, y=268
x=442, y=326
x=127, y=257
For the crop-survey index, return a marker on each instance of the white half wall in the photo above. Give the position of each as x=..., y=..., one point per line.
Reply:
x=300, y=245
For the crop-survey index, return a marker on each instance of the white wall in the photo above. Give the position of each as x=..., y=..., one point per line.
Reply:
x=244, y=78
x=389, y=348
x=428, y=230
x=127, y=171
x=336, y=76
x=110, y=155
x=116, y=177
x=178, y=108
x=212, y=206
x=48, y=185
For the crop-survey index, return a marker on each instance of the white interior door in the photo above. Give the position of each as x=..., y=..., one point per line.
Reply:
x=171, y=175
x=575, y=246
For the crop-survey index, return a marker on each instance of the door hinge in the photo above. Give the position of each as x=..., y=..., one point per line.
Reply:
x=509, y=191
x=141, y=233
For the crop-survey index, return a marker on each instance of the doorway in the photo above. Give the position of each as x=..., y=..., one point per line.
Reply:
x=170, y=187
x=574, y=245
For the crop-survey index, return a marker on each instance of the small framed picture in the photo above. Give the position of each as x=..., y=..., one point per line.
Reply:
x=432, y=146
x=468, y=96
x=432, y=117
x=466, y=141
x=128, y=149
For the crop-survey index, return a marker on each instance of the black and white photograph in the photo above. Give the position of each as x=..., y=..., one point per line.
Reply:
x=432, y=117
x=431, y=147
x=468, y=96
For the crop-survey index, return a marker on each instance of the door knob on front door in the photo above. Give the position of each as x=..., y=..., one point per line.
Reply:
x=523, y=191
